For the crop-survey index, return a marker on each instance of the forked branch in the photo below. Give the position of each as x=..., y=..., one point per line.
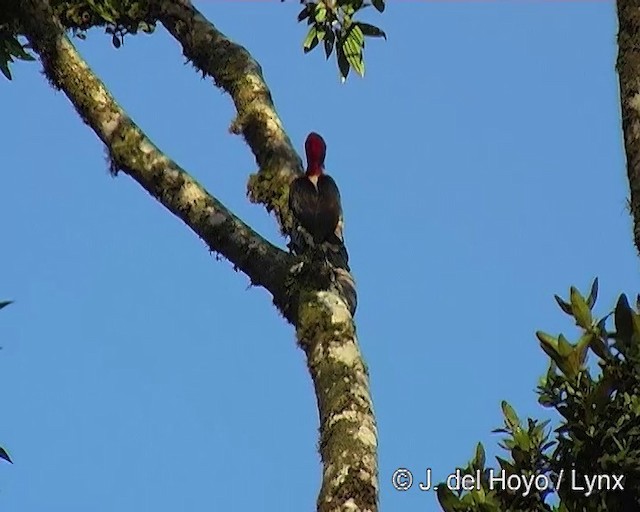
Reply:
x=133, y=153
x=234, y=69
x=323, y=318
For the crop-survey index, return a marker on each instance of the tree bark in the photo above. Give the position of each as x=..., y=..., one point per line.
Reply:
x=348, y=433
x=234, y=69
x=629, y=75
x=133, y=153
x=322, y=313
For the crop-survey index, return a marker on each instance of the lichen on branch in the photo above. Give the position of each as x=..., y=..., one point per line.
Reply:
x=629, y=75
x=234, y=69
x=348, y=433
x=321, y=311
x=133, y=153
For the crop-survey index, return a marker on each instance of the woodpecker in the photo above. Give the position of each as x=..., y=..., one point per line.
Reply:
x=314, y=200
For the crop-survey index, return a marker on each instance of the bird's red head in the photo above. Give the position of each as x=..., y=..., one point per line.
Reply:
x=316, y=149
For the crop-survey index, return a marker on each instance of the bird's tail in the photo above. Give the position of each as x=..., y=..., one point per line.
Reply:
x=336, y=253
x=300, y=241
x=333, y=250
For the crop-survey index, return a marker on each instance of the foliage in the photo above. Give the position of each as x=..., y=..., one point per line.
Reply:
x=3, y=454
x=10, y=49
x=599, y=433
x=331, y=21
x=118, y=17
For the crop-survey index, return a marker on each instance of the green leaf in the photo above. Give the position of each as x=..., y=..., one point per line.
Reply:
x=623, y=318
x=146, y=27
x=348, y=10
x=448, y=501
x=538, y=430
x=329, y=40
x=104, y=11
x=546, y=340
x=353, y=49
x=563, y=305
x=593, y=294
x=599, y=348
x=553, y=354
x=16, y=49
x=355, y=35
x=4, y=455
x=480, y=458
x=371, y=30
x=378, y=4
x=343, y=64
x=320, y=13
x=581, y=311
x=603, y=390
x=4, y=67
x=510, y=415
x=581, y=349
x=506, y=465
x=311, y=41
x=564, y=347
x=578, y=355
x=304, y=13
x=522, y=439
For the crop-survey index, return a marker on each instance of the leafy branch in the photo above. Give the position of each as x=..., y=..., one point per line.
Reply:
x=599, y=430
x=10, y=49
x=332, y=23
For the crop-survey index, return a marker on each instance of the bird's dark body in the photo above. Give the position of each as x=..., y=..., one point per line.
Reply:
x=314, y=200
x=317, y=207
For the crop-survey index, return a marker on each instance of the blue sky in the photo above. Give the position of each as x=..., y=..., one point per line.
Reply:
x=481, y=168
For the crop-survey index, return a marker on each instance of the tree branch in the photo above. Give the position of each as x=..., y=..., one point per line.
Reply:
x=321, y=307
x=132, y=152
x=234, y=69
x=325, y=327
x=348, y=433
x=629, y=75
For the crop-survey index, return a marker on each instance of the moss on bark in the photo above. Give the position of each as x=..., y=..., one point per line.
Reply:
x=309, y=297
x=629, y=75
x=348, y=437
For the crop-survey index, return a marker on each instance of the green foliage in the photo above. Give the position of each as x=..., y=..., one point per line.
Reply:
x=118, y=17
x=10, y=49
x=332, y=23
x=598, y=433
x=3, y=454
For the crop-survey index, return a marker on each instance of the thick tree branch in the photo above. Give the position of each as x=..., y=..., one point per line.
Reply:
x=234, y=69
x=348, y=433
x=132, y=152
x=319, y=304
x=629, y=75
x=325, y=327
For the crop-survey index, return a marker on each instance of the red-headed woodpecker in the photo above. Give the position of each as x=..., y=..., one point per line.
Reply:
x=314, y=200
